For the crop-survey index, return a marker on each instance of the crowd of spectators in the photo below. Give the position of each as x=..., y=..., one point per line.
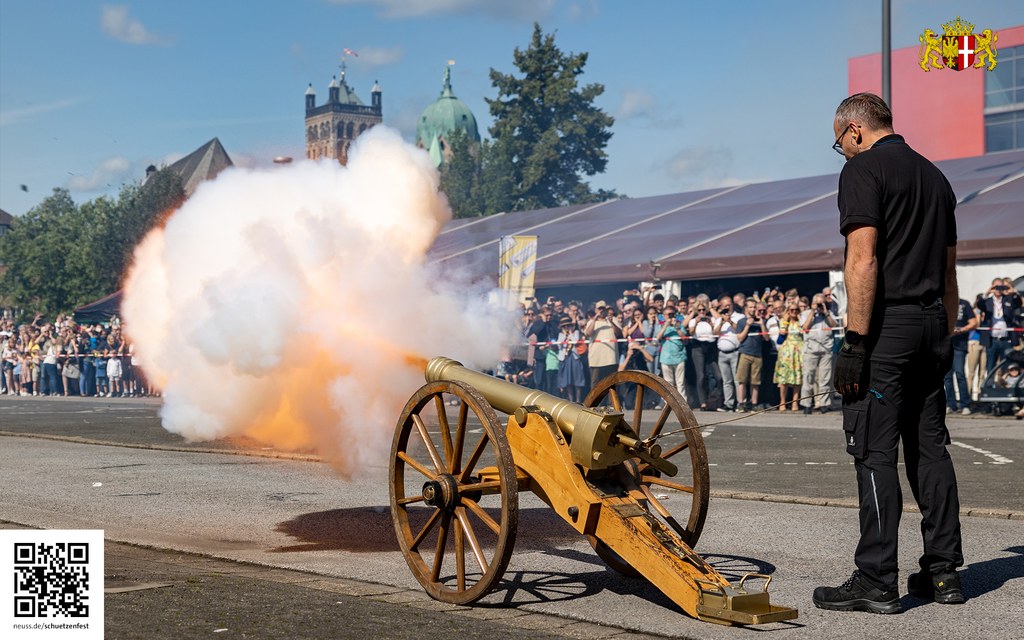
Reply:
x=64, y=358
x=733, y=353
x=740, y=352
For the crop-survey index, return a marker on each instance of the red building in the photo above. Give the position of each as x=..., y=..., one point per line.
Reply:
x=947, y=114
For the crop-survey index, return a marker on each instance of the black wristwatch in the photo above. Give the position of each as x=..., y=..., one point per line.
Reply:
x=853, y=338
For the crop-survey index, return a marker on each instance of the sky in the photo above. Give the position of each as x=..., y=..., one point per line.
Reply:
x=703, y=94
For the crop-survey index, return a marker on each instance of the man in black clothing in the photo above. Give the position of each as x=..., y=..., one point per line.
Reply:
x=896, y=212
x=966, y=320
x=543, y=331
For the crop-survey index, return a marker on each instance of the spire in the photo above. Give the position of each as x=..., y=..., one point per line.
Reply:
x=375, y=97
x=342, y=67
x=334, y=90
x=310, y=98
x=446, y=90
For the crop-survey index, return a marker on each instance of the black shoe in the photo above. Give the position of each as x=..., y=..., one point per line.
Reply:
x=808, y=411
x=943, y=588
x=857, y=594
x=824, y=410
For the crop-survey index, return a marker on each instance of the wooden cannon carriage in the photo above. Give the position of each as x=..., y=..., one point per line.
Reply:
x=637, y=489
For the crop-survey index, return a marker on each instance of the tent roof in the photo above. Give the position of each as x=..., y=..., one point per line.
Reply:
x=101, y=310
x=787, y=226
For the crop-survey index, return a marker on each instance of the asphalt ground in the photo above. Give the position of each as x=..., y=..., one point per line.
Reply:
x=293, y=516
x=767, y=456
x=153, y=593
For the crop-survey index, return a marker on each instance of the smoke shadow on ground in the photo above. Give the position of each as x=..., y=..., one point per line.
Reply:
x=370, y=530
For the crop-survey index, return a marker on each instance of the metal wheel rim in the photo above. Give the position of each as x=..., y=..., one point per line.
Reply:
x=460, y=524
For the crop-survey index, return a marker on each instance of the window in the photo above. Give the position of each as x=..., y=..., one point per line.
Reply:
x=1004, y=101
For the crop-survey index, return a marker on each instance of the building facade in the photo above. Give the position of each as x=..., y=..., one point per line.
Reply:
x=333, y=126
x=947, y=114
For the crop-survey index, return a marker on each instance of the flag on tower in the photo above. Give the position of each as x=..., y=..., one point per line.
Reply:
x=350, y=52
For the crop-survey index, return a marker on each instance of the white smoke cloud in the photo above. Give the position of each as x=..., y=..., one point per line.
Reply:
x=291, y=304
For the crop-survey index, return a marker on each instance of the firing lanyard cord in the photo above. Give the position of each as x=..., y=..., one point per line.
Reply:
x=743, y=417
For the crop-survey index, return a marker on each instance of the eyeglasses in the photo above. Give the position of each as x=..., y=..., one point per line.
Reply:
x=838, y=146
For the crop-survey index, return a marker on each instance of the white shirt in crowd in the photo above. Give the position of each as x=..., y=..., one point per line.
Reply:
x=727, y=340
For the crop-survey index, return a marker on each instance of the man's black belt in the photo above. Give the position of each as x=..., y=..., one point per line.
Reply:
x=924, y=302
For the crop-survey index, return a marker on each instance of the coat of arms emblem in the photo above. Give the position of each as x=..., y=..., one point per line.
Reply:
x=958, y=47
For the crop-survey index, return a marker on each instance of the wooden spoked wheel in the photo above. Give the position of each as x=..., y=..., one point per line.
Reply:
x=680, y=502
x=454, y=495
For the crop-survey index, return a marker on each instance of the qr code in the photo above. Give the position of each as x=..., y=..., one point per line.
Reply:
x=51, y=580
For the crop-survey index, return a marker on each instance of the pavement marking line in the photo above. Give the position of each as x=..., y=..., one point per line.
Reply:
x=280, y=455
x=996, y=458
x=142, y=586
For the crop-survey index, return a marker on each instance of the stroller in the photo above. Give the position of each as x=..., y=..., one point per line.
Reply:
x=1004, y=385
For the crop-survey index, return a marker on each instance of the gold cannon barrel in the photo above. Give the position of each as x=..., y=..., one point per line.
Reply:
x=595, y=436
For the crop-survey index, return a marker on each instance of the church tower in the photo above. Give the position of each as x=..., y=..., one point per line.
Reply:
x=333, y=126
x=441, y=118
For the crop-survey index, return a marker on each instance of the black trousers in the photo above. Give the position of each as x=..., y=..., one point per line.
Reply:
x=705, y=363
x=906, y=401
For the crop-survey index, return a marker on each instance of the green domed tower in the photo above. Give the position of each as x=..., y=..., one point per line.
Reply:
x=438, y=120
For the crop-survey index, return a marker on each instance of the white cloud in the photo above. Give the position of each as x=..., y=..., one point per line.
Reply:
x=500, y=9
x=10, y=116
x=643, y=108
x=701, y=167
x=583, y=10
x=373, y=57
x=636, y=103
x=117, y=24
x=110, y=173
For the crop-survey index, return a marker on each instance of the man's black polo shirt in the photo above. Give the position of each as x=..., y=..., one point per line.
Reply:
x=899, y=192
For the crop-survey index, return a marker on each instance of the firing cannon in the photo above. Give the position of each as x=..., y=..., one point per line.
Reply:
x=455, y=486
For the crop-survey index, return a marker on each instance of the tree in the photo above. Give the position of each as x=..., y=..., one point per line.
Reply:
x=60, y=255
x=33, y=254
x=140, y=208
x=460, y=175
x=547, y=128
x=497, y=191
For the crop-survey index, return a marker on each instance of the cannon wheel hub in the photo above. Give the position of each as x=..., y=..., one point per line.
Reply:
x=442, y=492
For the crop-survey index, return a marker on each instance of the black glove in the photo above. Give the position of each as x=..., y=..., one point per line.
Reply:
x=850, y=378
